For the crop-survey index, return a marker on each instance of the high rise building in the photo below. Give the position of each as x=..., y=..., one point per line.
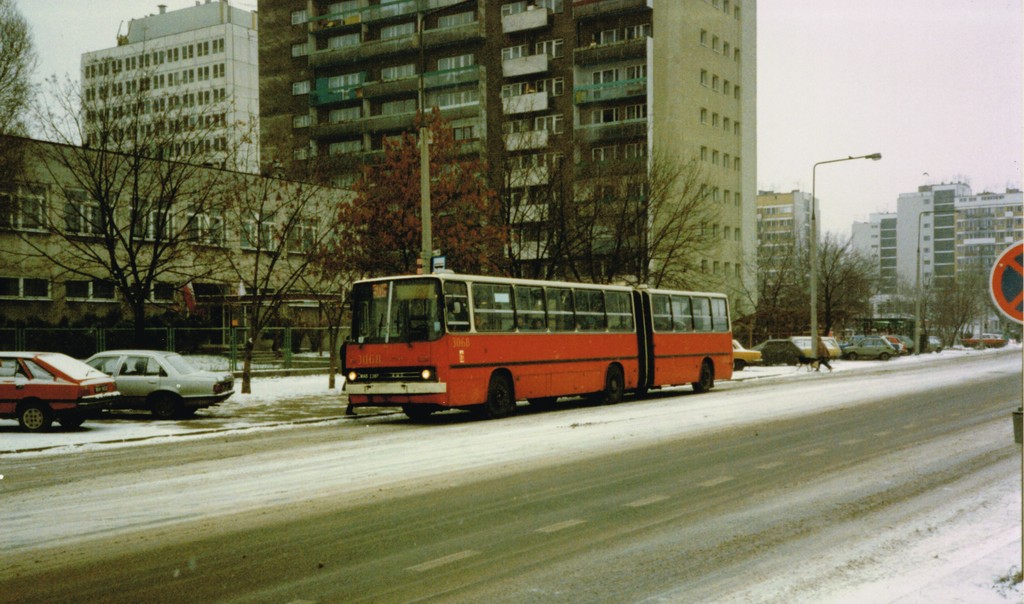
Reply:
x=185, y=78
x=783, y=226
x=927, y=220
x=582, y=90
x=987, y=224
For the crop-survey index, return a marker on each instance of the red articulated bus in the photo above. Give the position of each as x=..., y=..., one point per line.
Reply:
x=432, y=342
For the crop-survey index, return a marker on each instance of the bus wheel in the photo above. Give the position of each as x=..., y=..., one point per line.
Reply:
x=707, y=378
x=613, y=385
x=500, y=400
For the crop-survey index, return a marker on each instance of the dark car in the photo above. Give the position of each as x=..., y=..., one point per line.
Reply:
x=779, y=352
x=165, y=383
x=39, y=387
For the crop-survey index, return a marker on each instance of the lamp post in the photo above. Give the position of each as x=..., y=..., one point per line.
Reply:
x=815, y=338
x=917, y=289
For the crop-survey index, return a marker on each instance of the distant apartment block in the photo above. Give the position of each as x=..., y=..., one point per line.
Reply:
x=541, y=89
x=193, y=70
x=987, y=224
x=783, y=226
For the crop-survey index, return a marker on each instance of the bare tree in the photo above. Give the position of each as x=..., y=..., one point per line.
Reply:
x=134, y=205
x=846, y=284
x=643, y=221
x=956, y=303
x=281, y=233
x=17, y=62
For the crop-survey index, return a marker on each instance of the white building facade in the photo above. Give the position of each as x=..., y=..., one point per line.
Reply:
x=198, y=64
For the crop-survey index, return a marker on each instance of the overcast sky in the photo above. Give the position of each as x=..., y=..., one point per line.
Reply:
x=932, y=85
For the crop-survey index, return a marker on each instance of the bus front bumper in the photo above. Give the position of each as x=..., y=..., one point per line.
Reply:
x=396, y=388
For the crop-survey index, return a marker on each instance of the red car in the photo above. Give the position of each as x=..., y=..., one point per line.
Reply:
x=39, y=387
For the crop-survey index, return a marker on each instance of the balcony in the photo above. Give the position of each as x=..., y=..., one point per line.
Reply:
x=383, y=88
x=451, y=77
x=529, y=177
x=525, y=103
x=596, y=54
x=378, y=12
x=521, y=141
x=591, y=9
x=367, y=50
x=325, y=95
x=533, y=18
x=511, y=68
x=364, y=125
x=622, y=89
x=624, y=130
x=448, y=36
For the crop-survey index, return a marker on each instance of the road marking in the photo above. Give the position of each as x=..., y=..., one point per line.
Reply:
x=639, y=503
x=554, y=528
x=445, y=560
x=770, y=465
x=814, y=453
x=715, y=481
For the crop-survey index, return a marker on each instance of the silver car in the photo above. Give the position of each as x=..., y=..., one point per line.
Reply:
x=164, y=383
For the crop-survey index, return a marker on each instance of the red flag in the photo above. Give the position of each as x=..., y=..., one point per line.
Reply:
x=190, y=296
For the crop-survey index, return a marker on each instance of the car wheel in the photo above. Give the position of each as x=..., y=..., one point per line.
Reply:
x=500, y=400
x=613, y=386
x=165, y=405
x=852, y=356
x=707, y=378
x=71, y=419
x=884, y=356
x=35, y=417
x=738, y=364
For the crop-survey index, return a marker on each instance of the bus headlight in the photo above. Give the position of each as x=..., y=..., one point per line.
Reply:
x=352, y=375
x=426, y=374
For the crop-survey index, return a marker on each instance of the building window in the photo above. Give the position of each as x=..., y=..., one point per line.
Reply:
x=390, y=32
x=608, y=36
x=464, y=133
x=345, y=147
x=703, y=37
x=23, y=209
x=551, y=48
x=637, y=31
x=456, y=20
x=513, y=52
x=89, y=290
x=346, y=114
x=550, y=123
x=81, y=214
x=603, y=153
x=299, y=17
x=24, y=288
x=206, y=229
x=398, y=107
x=397, y=72
x=703, y=77
x=300, y=87
x=456, y=62
x=343, y=41
x=302, y=121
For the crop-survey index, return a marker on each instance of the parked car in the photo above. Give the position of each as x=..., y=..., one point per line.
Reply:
x=896, y=343
x=934, y=344
x=38, y=387
x=908, y=343
x=804, y=342
x=870, y=347
x=987, y=340
x=779, y=352
x=165, y=383
x=741, y=357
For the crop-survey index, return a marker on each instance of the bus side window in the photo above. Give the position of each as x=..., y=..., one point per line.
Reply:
x=702, y=314
x=619, y=306
x=456, y=304
x=590, y=310
x=530, y=308
x=681, y=317
x=492, y=307
x=661, y=311
x=719, y=315
x=560, y=309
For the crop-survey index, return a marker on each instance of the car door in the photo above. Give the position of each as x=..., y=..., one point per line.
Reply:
x=137, y=376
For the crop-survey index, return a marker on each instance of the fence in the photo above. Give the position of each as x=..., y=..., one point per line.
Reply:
x=290, y=349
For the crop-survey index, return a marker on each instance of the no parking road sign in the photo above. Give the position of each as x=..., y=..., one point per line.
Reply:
x=1007, y=282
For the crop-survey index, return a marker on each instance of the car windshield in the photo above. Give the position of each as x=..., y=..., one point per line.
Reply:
x=73, y=368
x=180, y=364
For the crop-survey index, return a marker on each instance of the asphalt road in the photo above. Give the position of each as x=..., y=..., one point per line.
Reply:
x=693, y=518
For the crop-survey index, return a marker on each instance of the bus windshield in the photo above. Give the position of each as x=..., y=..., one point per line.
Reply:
x=404, y=310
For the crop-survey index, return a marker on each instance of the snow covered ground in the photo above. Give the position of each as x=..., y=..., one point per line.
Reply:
x=973, y=571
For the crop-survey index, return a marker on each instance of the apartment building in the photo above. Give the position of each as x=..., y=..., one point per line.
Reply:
x=548, y=92
x=987, y=224
x=184, y=81
x=927, y=220
x=783, y=225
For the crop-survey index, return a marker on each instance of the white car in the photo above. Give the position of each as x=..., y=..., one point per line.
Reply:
x=162, y=382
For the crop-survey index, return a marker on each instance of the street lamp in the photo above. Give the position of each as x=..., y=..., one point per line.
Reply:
x=917, y=289
x=815, y=338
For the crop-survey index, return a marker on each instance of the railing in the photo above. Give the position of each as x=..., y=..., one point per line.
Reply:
x=287, y=349
x=610, y=90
